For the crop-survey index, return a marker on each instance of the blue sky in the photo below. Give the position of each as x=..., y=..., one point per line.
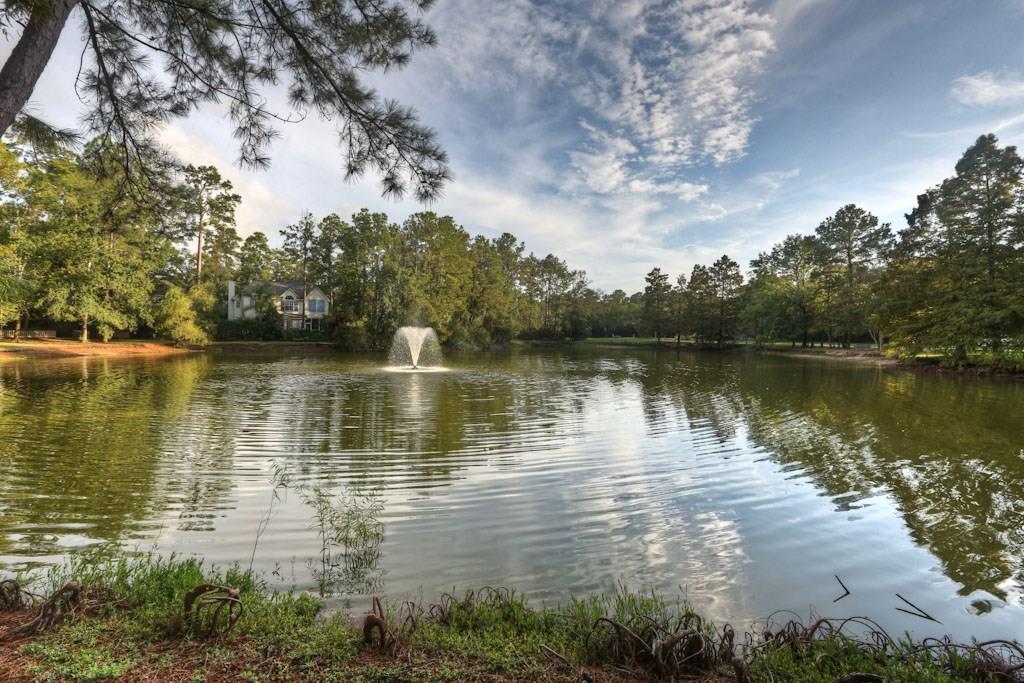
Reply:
x=624, y=134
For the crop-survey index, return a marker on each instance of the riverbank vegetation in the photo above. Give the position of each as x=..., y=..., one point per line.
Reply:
x=112, y=617
x=85, y=246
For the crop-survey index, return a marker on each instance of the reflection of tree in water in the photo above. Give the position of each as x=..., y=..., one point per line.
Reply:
x=948, y=450
x=81, y=443
x=425, y=426
x=199, y=445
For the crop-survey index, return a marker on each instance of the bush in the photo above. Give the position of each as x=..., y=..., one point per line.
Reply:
x=176, y=319
x=352, y=337
x=259, y=329
x=305, y=335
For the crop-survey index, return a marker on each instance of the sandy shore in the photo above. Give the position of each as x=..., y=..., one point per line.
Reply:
x=66, y=348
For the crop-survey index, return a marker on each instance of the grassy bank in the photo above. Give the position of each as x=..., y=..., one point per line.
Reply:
x=129, y=619
x=68, y=348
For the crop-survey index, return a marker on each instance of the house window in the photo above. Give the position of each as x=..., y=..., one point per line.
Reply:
x=246, y=301
x=296, y=324
x=317, y=306
x=289, y=304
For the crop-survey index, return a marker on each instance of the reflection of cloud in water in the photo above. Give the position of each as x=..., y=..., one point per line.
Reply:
x=750, y=482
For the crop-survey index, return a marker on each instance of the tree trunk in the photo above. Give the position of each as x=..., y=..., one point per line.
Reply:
x=23, y=68
x=199, y=257
x=85, y=329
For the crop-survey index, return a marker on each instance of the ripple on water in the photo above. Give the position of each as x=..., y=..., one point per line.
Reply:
x=749, y=483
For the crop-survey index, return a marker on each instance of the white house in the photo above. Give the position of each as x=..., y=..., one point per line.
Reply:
x=297, y=313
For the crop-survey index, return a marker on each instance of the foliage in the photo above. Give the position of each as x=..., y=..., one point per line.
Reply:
x=350, y=535
x=137, y=626
x=950, y=284
x=78, y=243
x=657, y=302
x=208, y=212
x=147, y=62
x=177, y=320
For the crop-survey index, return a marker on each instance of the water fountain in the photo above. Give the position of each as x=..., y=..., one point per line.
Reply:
x=415, y=348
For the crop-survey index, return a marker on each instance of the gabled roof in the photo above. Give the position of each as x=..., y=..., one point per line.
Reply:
x=278, y=288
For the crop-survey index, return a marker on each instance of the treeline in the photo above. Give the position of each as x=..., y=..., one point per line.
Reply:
x=379, y=275
x=85, y=243
x=109, y=247
x=951, y=283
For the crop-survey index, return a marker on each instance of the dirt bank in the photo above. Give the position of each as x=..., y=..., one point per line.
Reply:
x=66, y=348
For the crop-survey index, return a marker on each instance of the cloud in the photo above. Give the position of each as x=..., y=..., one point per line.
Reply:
x=684, y=83
x=654, y=87
x=262, y=209
x=986, y=89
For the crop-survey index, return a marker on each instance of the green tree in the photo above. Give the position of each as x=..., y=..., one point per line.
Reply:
x=492, y=297
x=91, y=250
x=325, y=255
x=657, y=295
x=209, y=212
x=435, y=259
x=255, y=259
x=780, y=301
x=726, y=282
x=370, y=276
x=701, y=305
x=298, y=246
x=954, y=281
x=231, y=51
x=678, y=306
x=851, y=244
x=176, y=319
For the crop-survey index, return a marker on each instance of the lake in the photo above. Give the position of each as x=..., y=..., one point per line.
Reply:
x=749, y=482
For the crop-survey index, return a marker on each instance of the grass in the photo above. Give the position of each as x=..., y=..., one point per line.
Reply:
x=131, y=625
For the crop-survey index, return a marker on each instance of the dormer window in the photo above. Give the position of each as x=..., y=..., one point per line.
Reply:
x=289, y=304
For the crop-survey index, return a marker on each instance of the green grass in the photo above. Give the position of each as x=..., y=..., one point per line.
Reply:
x=136, y=628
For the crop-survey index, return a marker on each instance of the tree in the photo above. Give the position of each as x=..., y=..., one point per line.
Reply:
x=981, y=210
x=851, y=243
x=230, y=51
x=435, y=259
x=700, y=299
x=298, y=245
x=656, y=301
x=325, y=254
x=678, y=305
x=725, y=284
x=17, y=290
x=86, y=242
x=780, y=301
x=176, y=319
x=955, y=279
x=255, y=259
x=492, y=297
x=209, y=208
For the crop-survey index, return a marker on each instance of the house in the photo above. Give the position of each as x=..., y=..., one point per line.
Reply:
x=297, y=313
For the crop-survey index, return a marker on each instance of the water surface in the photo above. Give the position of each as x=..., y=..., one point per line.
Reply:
x=747, y=481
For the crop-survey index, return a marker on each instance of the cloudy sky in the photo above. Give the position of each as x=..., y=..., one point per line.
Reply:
x=624, y=134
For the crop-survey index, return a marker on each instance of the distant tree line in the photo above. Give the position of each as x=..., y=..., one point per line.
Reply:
x=951, y=283
x=83, y=243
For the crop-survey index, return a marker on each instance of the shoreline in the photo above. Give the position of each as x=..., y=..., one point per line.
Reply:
x=153, y=618
x=67, y=348
x=857, y=354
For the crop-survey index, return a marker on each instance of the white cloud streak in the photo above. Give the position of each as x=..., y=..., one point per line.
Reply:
x=987, y=89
